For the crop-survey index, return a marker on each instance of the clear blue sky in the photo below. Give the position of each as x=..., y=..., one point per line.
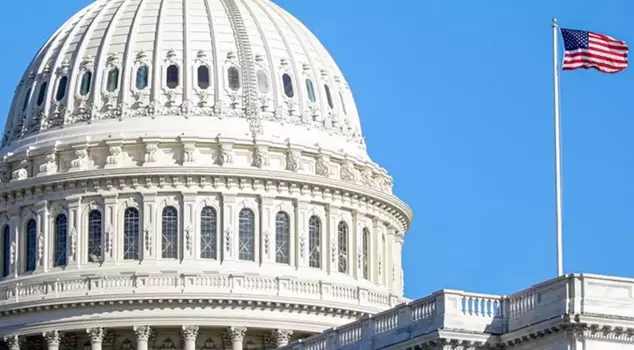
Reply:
x=456, y=102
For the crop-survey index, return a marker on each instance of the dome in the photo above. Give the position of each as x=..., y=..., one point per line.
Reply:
x=238, y=69
x=189, y=174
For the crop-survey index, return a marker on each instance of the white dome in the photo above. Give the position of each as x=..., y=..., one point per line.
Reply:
x=97, y=54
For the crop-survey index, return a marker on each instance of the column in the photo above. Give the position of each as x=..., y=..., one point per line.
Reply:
x=301, y=223
x=189, y=223
x=236, y=334
x=189, y=336
x=390, y=269
x=74, y=232
x=52, y=339
x=14, y=250
x=43, y=241
x=267, y=229
x=398, y=263
x=281, y=337
x=96, y=337
x=229, y=230
x=151, y=245
x=142, y=334
x=375, y=251
x=110, y=217
x=331, y=244
x=356, y=265
x=13, y=342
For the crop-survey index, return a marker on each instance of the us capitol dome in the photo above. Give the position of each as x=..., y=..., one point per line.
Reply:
x=189, y=174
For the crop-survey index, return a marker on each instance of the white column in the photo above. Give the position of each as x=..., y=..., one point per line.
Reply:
x=75, y=229
x=229, y=231
x=14, y=250
x=151, y=247
x=13, y=342
x=356, y=268
x=96, y=337
x=189, y=223
x=142, y=334
x=43, y=249
x=189, y=337
x=109, y=238
x=237, y=335
x=301, y=223
x=52, y=339
x=267, y=229
x=331, y=243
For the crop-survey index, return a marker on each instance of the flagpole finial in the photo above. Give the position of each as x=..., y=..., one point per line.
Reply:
x=555, y=22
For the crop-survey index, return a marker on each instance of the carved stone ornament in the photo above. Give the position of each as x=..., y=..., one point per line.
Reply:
x=95, y=334
x=321, y=165
x=348, y=173
x=225, y=154
x=302, y=245
x=12, y=253
x=281, y=337
x=81, y=161
x=21, y=173
x=260, y=157
x=189, y=233
x=142, y=332
x=40, y=248
x=228, y=236
x=148, y=238
x=293, y=159
x=150, y=153
x=189, y=332
x=189, y=153
x=267, y=242
x=114, y=159
x=49, y=166
x=109, y=238
x=237, y=333
x=333, y=251
x=52, y=338
x=73, y=243
x=380, y=266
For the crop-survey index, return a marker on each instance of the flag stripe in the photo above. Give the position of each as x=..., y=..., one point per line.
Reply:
x=589, y=50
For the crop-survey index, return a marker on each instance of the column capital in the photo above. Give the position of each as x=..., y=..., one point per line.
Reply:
x=189, y=332
x=142, y=332
x=52, y=338
x=237, y=333
x=95, y=334
x=13, y=342
x=281, y=337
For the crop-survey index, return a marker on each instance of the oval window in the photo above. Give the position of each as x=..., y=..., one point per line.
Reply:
x=263, y=82
x=84, y=89
x=288, y=85
x=142, y=77
x=234, y=78
x=329, y=96
x=113, y=80
x=203, y=77
x=61, y=88
x=42, y=94
x=26, y=100
x=311, y=90
x=172, y=76
x=343, y=104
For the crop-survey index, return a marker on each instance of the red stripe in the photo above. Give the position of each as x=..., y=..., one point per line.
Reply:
x=570, y=65
x=597, y=67
x=611, y=52
x=609, y=45
x=597, y=55
x=605, y=38
x=593, y=59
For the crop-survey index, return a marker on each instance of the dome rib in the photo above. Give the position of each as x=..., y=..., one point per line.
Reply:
x=157, y=67
x=126, y=68
x=217, y=67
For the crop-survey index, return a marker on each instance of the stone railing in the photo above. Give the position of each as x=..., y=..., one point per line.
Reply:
x=480, y=313
x=28, y=292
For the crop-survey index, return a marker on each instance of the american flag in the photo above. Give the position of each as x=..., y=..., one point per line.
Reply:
x=592, y=50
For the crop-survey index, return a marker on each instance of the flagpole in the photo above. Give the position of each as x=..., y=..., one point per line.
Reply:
x=558, y=214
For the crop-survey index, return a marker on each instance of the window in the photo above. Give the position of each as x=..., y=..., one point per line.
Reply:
x=61, y=88
x=42, y=93
x=113, y=80
x=342, y=236
x=61, y=237
x=329, y=96
x=366, y=253
x=172, y=76
x=234, y=78
x=6, y=247
x=343, y=103
x=142, y=77
x=282, y=238
x=311, y=90
x=86, y=78
x=246, y=235
x=288, y=85
x=314, y=239
x=131, y=234
x=263, y=82
x=95, y=235
x=26, y=100
x=31, y=245
x=203, y=77
x=170, y=233
x=208, y=232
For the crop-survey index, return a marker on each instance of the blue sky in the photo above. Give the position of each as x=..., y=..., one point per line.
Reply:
x=456, y=102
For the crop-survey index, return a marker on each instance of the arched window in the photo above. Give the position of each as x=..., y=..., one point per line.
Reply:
x=282, y=238
x=142, y=77
x=310, y=88
x=366, y=253
x=95, y=236
x=342, y=239
x=343, y=104
x=113, y=80
x=208, y=232
x=26, y=100
x=234, y=78
x=42, y=94
x=31, y=245
x=288, y=85
x=6, y=247
x=329, y=96
x=170, y=233
x=131, y=234
x=314, y=242
x=61, y=237
x=263, y=82
x=246, y=235
x=204, y=80
x=172, y=76
x=86, y=79
x=61, y=88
